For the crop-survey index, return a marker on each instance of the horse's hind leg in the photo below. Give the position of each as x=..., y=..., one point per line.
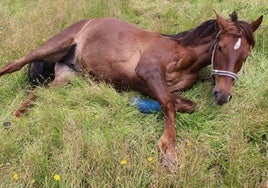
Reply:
x=28, y=103
x=53, y=50
x=63, y=73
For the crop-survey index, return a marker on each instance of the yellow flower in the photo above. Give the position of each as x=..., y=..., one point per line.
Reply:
x=43, y=40
x=57, y=177
x=123, y=162
x=150, y=159
x=16, y=177
x=189, y=143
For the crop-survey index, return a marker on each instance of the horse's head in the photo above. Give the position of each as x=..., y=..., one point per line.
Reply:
x=230, y=49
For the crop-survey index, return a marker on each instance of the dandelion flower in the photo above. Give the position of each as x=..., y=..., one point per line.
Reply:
x=150, y=159
x=57, y=177
x=189, y=144
x=123, y=162
x=43, y=40
x=16, y=177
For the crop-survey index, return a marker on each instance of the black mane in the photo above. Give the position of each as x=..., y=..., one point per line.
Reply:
x=202, y=33
x=197, y=35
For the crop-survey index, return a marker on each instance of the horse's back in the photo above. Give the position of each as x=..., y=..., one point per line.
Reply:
x=110, y=37
x=111, y=48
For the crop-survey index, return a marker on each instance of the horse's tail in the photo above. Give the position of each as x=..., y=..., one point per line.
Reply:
x=40, y=73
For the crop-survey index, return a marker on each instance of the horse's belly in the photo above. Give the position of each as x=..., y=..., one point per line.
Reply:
x=112, y=67
x=111, y=50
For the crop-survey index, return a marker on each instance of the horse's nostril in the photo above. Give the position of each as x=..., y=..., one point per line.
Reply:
x=229, y=98
x=215, y=93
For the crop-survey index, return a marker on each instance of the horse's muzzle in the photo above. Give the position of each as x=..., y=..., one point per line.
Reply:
x=221, y=98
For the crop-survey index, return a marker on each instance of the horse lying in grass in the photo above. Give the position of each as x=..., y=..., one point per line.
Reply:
x=154, y=64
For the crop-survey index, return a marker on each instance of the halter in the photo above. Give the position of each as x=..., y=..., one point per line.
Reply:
x=216, y=71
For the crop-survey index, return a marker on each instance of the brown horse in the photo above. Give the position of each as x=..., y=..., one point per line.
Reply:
x=154, y=64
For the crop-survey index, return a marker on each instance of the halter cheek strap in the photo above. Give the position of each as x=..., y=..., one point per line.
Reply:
x=216, y=71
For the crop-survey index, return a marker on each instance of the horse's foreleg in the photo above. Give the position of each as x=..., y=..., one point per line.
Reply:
x=155, y=81
x=183, y=105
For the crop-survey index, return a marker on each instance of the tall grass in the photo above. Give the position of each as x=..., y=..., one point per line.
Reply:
x=83, y=131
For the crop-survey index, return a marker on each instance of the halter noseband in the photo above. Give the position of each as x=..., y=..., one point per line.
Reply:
x=216, y=71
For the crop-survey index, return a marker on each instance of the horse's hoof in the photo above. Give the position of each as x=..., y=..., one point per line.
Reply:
x=187, y=107
x=170, y=163
x=18, y=113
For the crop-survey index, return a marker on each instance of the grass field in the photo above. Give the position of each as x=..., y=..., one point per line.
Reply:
x=86, y=134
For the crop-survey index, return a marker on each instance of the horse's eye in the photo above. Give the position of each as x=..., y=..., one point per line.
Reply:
x=220, y=48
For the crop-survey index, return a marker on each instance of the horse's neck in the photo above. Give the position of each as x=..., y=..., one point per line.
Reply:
x=203, y=56
x=203, y=48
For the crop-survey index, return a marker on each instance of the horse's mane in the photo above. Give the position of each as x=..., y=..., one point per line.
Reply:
x=194, y=36
x=200, y=34
x=245, y=28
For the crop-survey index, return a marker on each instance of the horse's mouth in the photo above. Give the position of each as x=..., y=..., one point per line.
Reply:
x=220, y=98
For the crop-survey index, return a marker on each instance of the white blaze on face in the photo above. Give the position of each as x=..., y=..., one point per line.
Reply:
x=237, y=44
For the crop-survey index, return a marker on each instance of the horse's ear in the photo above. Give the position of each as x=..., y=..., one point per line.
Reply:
x=223, y=23
x=255, y=24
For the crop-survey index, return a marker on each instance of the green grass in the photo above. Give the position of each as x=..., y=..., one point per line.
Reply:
x=82, y=131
